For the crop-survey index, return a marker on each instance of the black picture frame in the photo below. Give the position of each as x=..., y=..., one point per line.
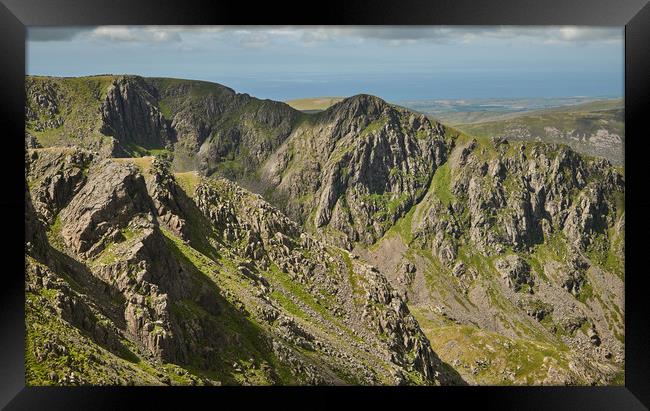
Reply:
x=15, y=15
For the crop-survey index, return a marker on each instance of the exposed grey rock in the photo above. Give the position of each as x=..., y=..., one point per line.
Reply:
x=131, y=115
x=114, y=194
x=515, y=271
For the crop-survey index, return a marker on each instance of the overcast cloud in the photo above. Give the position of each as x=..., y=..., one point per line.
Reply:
x=309, y=34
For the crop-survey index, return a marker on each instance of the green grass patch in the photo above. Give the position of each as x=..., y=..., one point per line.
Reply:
x=188, y=181
x=441, y=184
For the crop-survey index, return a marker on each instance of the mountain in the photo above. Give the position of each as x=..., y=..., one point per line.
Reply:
x=349, y=172
x=211, y=128
x=123, y=116
x=317, y=235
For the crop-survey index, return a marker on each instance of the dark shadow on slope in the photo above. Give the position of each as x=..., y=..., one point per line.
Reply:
x=454, y=377
x=82, y=280
x=106, y=299
x=225, y=336
x=78, y=277
x=200, y=229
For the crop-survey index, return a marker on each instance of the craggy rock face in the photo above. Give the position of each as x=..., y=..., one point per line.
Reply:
x=112, y=196
x=518, y=197
x=354, y=169
x=60, y=174
x=515, y=271
x=131, y=115
x=269, y=239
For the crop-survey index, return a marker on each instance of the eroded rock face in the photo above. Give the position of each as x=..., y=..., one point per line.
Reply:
x=213, y=125
x=113, y=195
x=525, y=229
x=515, y=271
x=43, y=104
x=69, y=306
x=521, y=198
x=131, y=115
x=398, y=325
x=35, y=240
x=270, y=239
x=109, y=225
x=58, y=175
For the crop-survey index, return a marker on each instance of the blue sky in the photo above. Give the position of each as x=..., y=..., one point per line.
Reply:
x=395, y=63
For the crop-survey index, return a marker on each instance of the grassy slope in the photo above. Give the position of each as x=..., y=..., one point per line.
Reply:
x=469, y=117
x=78, y=107
x=489, y=358
x=581, y=121
x=82, y=356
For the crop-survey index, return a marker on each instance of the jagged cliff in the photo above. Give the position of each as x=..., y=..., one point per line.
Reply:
x=510, y=255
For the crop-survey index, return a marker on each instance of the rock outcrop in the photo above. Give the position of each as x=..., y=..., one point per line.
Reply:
x=532, y=230
x=131, y=115
x=515, y=271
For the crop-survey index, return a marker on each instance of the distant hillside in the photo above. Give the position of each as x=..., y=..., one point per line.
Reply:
x=314, y=104
x=466, y=111
x=596, y=128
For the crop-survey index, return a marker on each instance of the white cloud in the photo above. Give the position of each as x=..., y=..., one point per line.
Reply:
x=251, y=36
x=587, y=34
x=253, y=39
x=468, y=34
x=132, y=35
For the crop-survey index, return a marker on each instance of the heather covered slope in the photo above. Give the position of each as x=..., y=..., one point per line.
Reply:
x=509, y=254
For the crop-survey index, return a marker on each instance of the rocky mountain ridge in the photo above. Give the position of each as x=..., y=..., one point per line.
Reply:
x=509, y=254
